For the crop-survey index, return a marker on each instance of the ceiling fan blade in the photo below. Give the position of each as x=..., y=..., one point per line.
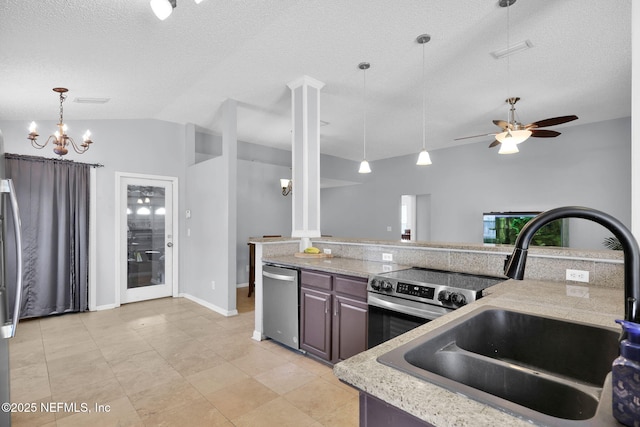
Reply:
x=502, y=124
x=494, y=144
x=474, y=136
x=552, y=122
x=544, y=133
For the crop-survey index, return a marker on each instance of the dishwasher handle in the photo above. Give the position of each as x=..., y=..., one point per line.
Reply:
x=278, y=276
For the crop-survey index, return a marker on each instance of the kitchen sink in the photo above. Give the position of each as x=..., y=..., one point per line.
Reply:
x=539, y=368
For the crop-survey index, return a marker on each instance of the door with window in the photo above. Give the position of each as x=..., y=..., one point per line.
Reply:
x=146, y=238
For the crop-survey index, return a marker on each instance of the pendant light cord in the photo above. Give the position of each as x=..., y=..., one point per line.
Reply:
x=364, y=120
x=424, y=104
x=508, y=64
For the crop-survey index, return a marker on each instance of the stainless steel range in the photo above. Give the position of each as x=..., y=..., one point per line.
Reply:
x=402, y=300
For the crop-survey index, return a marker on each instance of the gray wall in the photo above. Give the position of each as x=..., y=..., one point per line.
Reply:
x=262, y=210
x=139, y=146
x=588, y=165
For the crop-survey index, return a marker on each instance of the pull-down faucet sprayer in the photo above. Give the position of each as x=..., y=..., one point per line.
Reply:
x=517, y=260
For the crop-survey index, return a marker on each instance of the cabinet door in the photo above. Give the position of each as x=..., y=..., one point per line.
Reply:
x=349, y=327
x=315, y=322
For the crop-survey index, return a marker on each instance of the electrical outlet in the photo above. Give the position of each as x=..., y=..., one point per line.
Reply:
x=578, y=275
x=386, y=268
x=213, y=285
x=327, y=251
x=388, y=228
x=387, y=257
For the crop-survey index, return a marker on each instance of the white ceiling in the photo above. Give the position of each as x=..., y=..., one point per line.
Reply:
x=182, y=69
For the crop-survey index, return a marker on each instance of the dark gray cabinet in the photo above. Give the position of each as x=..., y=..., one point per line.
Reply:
x=333, y=315
x=377, y=413
x=349, y=327
x=315, y=322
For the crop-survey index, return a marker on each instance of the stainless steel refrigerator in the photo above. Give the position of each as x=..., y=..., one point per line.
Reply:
x=8, y=317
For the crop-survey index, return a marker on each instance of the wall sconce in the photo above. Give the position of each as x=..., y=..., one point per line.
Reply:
x=287, y=186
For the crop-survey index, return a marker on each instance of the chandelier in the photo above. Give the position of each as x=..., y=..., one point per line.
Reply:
x=60, y=138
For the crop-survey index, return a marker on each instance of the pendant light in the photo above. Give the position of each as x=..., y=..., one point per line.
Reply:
x=423, y=158
x=162, y=8
x=364, y=165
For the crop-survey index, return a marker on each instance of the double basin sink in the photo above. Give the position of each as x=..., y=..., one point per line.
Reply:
x=544, y=370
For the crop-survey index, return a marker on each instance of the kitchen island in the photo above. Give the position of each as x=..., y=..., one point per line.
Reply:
x=440, y=407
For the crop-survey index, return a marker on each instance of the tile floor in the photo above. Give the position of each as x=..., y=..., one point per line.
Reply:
x=169, y=362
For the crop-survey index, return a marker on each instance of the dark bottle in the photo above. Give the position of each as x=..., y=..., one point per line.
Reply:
x=625, y=377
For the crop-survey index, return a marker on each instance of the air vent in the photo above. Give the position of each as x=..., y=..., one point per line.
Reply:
x=91, y=100
x=513, y=49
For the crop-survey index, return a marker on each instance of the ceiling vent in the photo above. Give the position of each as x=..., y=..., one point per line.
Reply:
x=91, y=100
x=511, y=50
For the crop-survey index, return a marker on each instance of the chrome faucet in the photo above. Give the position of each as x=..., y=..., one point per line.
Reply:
x=515, y=264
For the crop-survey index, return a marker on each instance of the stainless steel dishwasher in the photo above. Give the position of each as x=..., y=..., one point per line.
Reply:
x=281, y=304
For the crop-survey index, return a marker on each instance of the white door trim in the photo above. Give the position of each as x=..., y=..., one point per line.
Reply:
x=119, y=176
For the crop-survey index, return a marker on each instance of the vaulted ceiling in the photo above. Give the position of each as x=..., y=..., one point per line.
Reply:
x=183, y=68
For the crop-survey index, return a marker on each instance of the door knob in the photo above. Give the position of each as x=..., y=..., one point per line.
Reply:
x=170, y=245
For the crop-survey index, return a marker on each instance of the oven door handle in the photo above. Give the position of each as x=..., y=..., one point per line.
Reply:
x=404, y=309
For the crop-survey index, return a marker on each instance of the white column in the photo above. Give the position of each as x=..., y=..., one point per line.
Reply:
x=305, y=152
x=230, y=156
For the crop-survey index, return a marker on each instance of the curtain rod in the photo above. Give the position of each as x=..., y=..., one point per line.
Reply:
x=45, y=159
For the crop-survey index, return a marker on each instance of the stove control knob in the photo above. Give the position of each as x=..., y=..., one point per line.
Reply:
x=458, y=299
x=386, y=285
x=444, y=296
x=375, y=284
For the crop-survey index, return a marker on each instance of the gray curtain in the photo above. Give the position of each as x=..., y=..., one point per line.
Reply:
x=53, y=198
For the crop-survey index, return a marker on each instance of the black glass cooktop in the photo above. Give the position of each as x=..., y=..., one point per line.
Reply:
x=425, y=276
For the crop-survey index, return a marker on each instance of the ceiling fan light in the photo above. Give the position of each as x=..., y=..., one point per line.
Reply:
x=161, y=8
x=514, y=136
x=364, y=167
x=508, y=147
x=423, y=158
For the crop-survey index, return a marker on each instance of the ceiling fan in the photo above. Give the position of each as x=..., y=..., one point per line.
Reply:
x=514, y=132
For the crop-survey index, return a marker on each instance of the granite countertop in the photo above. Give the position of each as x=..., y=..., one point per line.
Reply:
x=347, y=266
x=545, y=251
x=431, y=403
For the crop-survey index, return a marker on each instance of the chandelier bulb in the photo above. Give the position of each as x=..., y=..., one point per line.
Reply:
x=32, y=127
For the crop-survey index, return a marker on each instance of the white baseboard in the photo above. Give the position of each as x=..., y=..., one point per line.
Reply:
x=257, y=336
x=105, y=307
x=242, y=285
x=210, y=306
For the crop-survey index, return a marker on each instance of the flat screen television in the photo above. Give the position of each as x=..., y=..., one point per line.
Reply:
x=502, y=228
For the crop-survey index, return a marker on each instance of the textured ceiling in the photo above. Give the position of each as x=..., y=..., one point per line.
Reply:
x=182, y=69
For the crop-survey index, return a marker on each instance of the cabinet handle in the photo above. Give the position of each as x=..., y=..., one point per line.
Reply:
x=326, y=307
x=335, y=312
